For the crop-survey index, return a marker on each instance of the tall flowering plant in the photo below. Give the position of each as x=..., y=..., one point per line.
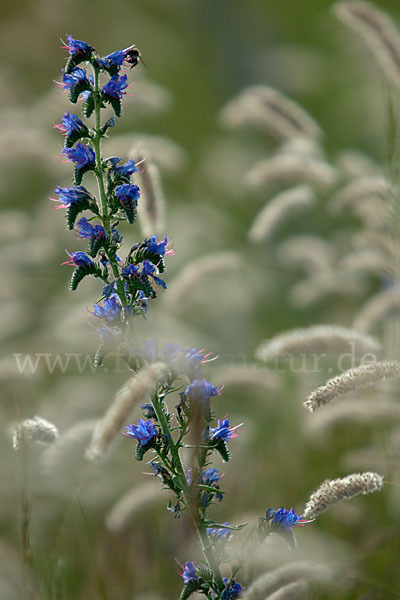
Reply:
x=128, y=285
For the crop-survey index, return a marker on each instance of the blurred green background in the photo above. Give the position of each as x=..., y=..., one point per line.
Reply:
x=199, y=55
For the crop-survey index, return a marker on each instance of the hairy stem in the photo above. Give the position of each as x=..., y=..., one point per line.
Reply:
x=102, y=192
x=192, y=502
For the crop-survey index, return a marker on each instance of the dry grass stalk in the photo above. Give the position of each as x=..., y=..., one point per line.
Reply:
x=354, y=164
x=372, y=212
x=332, y=491
x=197, y=273
x=73, y=438
x=377, y=308
x=269, y=110
x=310, y=252
x=136, y=499
x=319, y=338
x=135, y=391
x=370, y=260
x=377, y=31
x=324, y=283
x=292, y=168
x=359, y=190
x=278, y=209
x=366, y=374
x=34, y=430
x=353, y=411
x=378, y=240
x=298, y=590
x=269, y=583
x=151, y=206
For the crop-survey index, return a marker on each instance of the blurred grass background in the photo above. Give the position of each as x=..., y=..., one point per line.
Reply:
x=199, y=54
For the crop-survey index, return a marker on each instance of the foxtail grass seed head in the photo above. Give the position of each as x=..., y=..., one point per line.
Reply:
x=309, y=252
x=354, y=164
x=353, y=379
x=368, y=260
x=34, y=430
x=352, y=411
x=332, y=491
x=377, y=308
x=70, y=442
x=132, y=394
x=188, y=282
x=322, y=284
x=319, y=338
x=271, y=582
x=378, y=32
x=269, y=110
x=298, y=590
x=138, y=498
x=151, y=209
x=288, y=168
x=278, y=209
x=357, y=191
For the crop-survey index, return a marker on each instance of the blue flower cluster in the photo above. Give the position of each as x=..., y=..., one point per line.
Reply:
x=128, y=285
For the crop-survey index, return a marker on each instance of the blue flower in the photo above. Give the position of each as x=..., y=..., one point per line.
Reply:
x=109, y=289
x=116, y=58
x=85, y=229
x=285, y=518
x=70, y=123
x=201, y=390
x=148, y=269
x=71, y=195
x=223, y=432
x=76, y=47
x=232, y=589
x=220, y=532
x=127, y=169
x=144, y=431
x=189, y=574
x=142, y=300
x=83, y=156
x=127, y=193
x=156, y=246
x=79, y=259
x=130, y=270
x=77, y=77
x=116, y=86
x=210, y=476
x=109, y=310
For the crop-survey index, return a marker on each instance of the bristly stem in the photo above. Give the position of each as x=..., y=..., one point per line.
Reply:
x=191, y=502
x=100, y=183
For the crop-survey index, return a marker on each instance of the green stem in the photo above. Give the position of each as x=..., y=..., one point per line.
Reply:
x=102, y=192
x=176, y=459
x=192, y=503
